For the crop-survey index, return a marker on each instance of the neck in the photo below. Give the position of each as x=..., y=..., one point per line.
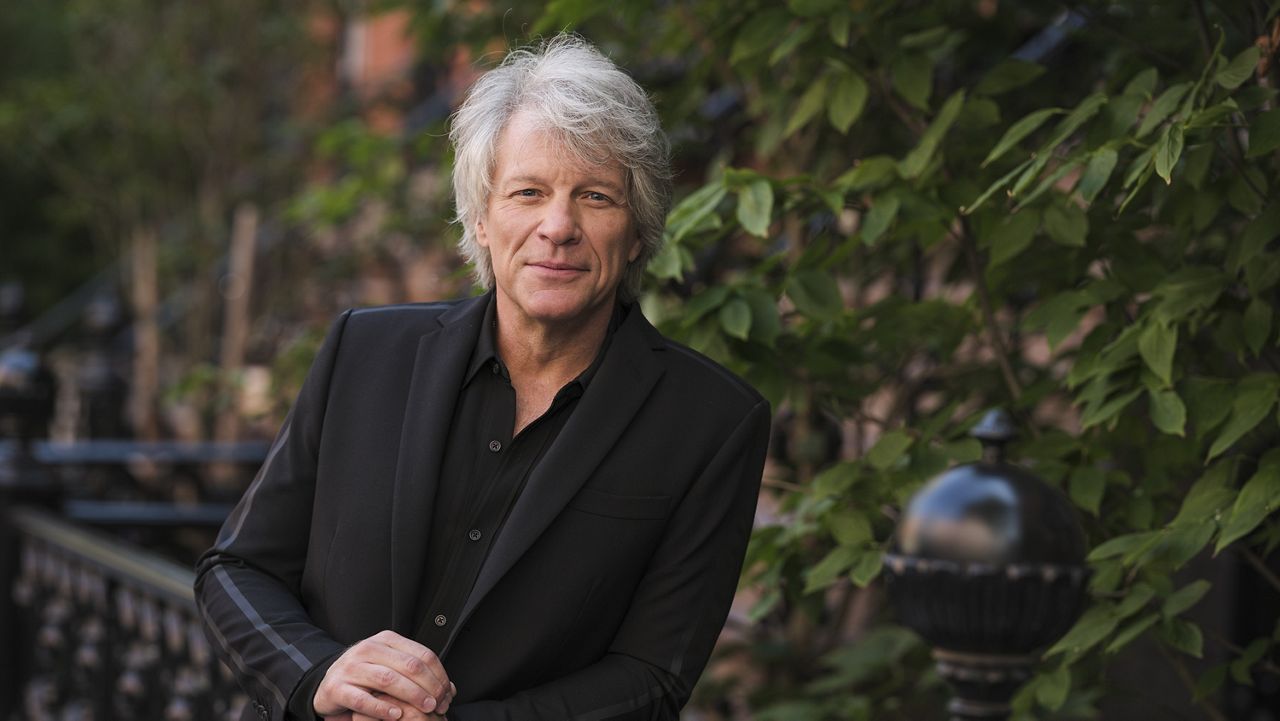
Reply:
x=533, y=349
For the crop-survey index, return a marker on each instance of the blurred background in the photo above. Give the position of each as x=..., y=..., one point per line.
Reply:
x=891, y=216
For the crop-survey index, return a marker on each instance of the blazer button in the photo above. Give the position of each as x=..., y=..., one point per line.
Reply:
x=441, y=620
x=474, y=534
x=495, y=446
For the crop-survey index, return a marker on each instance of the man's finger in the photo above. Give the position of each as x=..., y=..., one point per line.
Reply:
x=363, y=703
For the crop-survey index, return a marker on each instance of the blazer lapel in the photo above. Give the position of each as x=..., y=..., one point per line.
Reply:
x=438, y=368
x=620, y=387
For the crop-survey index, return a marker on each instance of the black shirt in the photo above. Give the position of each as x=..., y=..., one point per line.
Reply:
x=483, y=472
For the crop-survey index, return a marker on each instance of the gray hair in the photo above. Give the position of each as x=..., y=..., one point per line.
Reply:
x=595, y=109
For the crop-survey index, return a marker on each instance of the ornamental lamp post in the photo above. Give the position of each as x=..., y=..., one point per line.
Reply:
x=987, y=565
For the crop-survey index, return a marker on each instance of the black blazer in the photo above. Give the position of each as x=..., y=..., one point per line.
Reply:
x=609, y=583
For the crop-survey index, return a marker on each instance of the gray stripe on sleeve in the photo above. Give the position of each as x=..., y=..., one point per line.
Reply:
x=259, y=625
x=241, y=666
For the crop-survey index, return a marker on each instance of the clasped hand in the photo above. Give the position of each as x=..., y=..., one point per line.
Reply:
x=388, y=677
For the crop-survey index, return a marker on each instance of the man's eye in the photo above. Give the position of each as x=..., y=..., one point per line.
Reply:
x=526, y=193
x=598, y=197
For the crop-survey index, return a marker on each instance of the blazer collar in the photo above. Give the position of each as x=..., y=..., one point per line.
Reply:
x=438, y=370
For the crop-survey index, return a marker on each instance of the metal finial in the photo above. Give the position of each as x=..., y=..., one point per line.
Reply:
x=995, y=431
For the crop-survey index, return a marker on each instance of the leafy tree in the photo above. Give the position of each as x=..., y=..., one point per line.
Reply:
x=898, y=214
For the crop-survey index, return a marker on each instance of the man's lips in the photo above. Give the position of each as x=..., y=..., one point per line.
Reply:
x=556, y=266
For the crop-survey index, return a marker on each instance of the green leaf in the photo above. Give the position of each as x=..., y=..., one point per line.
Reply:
x=849, y=527
x=1163, y=107
x=1132, y=631
x=1255, y=396
x=813, y=8
x=1135, y=600
x=1066, y=224
x=765, y=324
x=879, y=218
x=1208, y=496
x=848, y=98
x=815, y=293
x=1185, y=542
x=1078, y=116
x=1088, y=484
x=665, y=264
x=1184, y=598
x=831, y=567
x=1096, y=624
x=866, y=568
x=1168, y=150
x=1257, y=500
x=1096, y=173
x=1059, y=316
x=1257, y=324
x=1168, y=412
x=912, y=77
x=869, y=174
x=1009, y=75
x=1239, y=69
x=838, y=27
x=991, y=189
x=794, y=39
x=1156, y=345
x=1260, y=231
x=1241, y=667
x=1051, y=691
x=889, y=449
x=1101, y=413
x=758, y=34
x=916, y=161
x=1187, y=291
x=735, y=318
x=1210, y=682
x=1018, y=131
x=1012, y=236
x=1184, y=636
x=1144, y=83
x=811, y=103
x=689, y=212
x=1121, y=545
x=1264, y=134
x=755, y=207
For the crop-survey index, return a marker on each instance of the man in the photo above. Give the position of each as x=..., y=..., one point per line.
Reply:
x=527, y=505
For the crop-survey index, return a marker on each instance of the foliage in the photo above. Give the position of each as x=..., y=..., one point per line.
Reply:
x=898, y=214
x=894, y=215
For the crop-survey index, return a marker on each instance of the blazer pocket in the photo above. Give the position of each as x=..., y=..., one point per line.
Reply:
x=615, y=506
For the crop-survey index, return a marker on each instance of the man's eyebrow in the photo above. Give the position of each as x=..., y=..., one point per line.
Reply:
x=535, y=180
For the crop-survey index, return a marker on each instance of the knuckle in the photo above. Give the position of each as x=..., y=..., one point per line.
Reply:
x=415, y=665
x=384, y=676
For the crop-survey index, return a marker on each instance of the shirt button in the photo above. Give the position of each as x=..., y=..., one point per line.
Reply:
x=496, y=368
x=474, y=534
x=441, y=620
x=495, y=446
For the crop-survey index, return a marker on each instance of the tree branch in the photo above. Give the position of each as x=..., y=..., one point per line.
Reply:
x=989, y=316
x=1190, y=683
x=1261, y=567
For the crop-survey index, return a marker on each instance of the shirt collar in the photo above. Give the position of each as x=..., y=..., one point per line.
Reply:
x=485, y=356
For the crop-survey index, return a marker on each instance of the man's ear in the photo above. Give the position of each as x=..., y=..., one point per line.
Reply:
x=482, y=238
x=636, y=246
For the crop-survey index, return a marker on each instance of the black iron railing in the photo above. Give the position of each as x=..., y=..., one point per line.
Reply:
x=108, y=631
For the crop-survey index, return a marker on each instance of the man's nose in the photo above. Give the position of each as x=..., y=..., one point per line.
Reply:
x=559, y=221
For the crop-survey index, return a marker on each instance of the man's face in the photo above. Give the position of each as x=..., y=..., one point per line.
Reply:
x=558, y=231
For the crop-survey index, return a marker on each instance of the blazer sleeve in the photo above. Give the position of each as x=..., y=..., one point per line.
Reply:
x=679, y=608
x=248, y=585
